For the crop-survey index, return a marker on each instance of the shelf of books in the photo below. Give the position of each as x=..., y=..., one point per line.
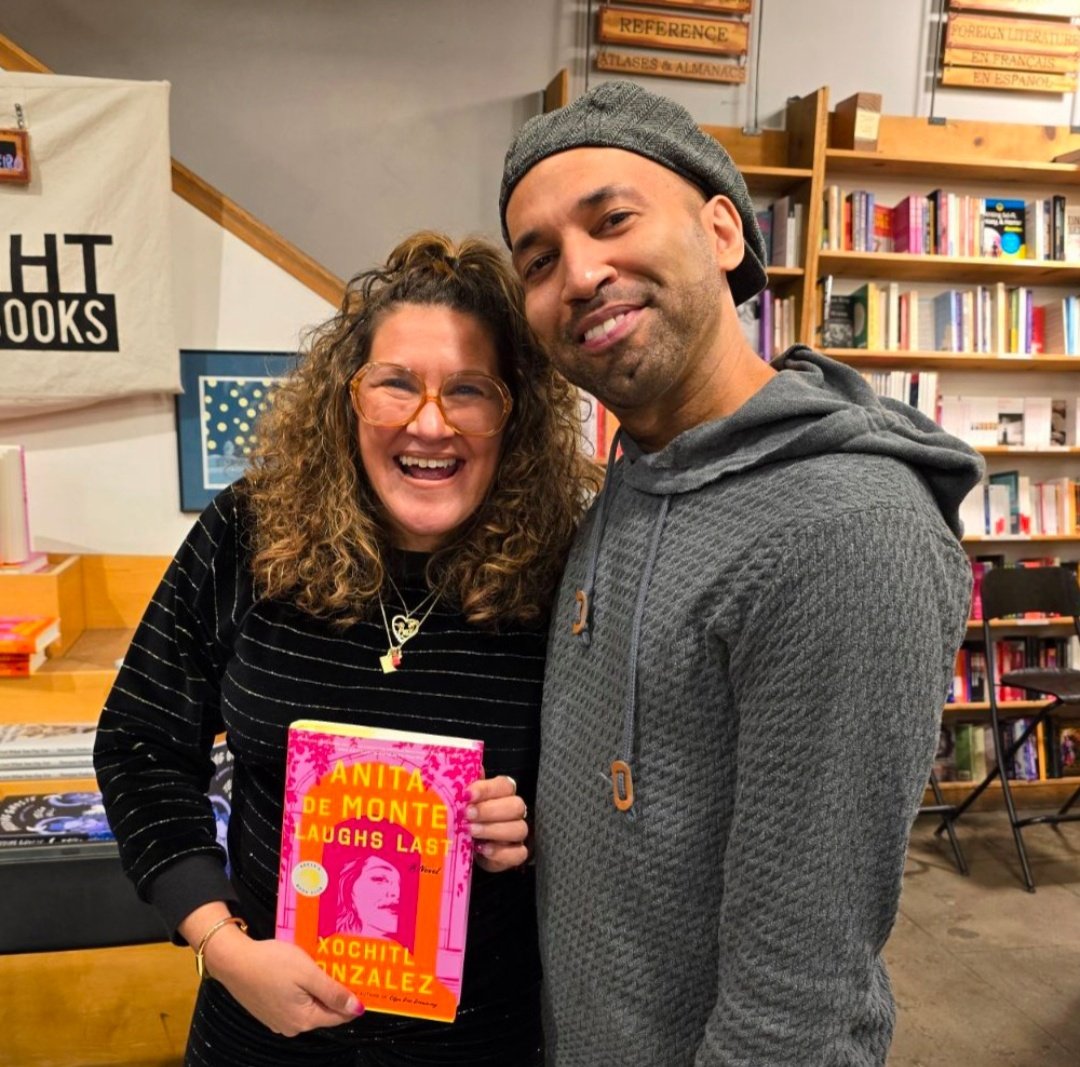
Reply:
x=947, y=271
x=50, y=809
x=782, y=169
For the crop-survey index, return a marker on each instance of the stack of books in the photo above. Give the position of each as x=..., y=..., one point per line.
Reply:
x=32, y=750
x=23, y=641
x=62, y=810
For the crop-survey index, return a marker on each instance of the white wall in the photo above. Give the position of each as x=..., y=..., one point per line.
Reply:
x=345, y=124
x=104, y=478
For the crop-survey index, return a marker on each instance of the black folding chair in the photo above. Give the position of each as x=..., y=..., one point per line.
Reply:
x=948, y=814
x=1012, y=591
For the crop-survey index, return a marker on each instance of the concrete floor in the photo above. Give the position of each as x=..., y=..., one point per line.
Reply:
x=985, y=973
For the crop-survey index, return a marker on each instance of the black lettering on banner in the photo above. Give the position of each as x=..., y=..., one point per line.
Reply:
x=63, y=322
x=62, y=318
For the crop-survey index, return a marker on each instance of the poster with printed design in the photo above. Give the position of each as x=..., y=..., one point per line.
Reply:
x=217, y=417
x=85, y=251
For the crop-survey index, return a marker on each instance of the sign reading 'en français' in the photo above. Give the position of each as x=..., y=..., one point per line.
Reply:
x=1013, y=35
x=1028, y=81
x=666, y=67
x=977, y=57
x=1062, y=9
x=678, y=32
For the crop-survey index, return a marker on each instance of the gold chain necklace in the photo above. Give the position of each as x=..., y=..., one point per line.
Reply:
x=403, y=627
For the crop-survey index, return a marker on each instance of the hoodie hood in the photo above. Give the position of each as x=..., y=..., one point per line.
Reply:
x=815, y=406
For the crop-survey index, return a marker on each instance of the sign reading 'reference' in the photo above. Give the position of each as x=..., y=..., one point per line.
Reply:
x=677, y=32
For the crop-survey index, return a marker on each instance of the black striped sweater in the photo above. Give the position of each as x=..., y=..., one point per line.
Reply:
x=210, y=657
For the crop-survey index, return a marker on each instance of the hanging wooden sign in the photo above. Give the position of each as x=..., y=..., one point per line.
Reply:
x=735, y=7
x=15, y=156
x=981, y=57
x=1027, y=81
x=1055, y=9
x=678, y=32
x=1013, y=35
x=669, y=67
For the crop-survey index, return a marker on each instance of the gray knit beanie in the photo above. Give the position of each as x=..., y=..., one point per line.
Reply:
x=618, y=114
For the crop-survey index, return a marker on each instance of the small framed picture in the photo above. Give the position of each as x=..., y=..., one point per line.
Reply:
x=15, y=156
x=217, y=417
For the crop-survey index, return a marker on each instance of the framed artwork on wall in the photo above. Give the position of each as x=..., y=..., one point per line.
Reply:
x=217, y=416
x=15, y=156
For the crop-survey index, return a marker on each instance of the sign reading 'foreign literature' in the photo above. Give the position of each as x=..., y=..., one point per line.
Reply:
x=1013, y=35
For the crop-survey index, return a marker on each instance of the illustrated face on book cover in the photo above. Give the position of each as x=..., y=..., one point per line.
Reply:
x=376, y=892
x=377, y=884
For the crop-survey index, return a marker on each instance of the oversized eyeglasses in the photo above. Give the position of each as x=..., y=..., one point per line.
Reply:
x=472, y=403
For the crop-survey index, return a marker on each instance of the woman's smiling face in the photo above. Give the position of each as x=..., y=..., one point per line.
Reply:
x=429, y=479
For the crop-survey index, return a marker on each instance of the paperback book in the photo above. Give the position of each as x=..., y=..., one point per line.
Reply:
x=52, y=816
x=19, y=739
x=1003, y=228
x=376, y=861
x=27, y=634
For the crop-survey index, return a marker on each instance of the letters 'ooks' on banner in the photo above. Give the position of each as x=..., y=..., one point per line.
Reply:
x=85, y=255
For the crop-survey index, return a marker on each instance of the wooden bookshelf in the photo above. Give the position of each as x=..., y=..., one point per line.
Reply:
x=1022, y=539
x=1020, y=450
x=788, y=162
x=1002, y=159
x=903, y=266
x=880, y=359
x=102, y=1006
x=976, y=625
x=1050, y=793
x=128, y=1005
x=842, y=161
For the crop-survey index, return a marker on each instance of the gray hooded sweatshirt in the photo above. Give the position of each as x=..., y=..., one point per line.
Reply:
x=775, y=601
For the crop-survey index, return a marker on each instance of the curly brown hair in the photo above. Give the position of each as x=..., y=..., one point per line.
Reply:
x=316, y=534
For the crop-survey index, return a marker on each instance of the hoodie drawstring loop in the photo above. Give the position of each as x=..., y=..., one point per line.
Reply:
x=583, y=596
x=622, y=778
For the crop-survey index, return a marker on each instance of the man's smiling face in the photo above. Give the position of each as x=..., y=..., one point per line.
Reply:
x=622, y=284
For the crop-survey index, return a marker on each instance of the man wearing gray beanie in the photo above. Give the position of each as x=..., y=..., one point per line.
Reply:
x=755, y=631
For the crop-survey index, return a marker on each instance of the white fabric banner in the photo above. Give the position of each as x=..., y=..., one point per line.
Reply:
x=85, y=256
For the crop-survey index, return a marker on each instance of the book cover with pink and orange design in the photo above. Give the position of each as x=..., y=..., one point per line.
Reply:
x=376, y=861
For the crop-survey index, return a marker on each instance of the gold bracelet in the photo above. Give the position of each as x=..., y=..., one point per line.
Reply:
x=200, y=965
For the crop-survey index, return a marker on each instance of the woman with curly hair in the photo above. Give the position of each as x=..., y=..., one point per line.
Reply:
x=420, y=462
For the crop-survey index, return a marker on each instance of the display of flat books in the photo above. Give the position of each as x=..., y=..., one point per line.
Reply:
x=23, y=640
x=51, y=815
x=376, y=861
